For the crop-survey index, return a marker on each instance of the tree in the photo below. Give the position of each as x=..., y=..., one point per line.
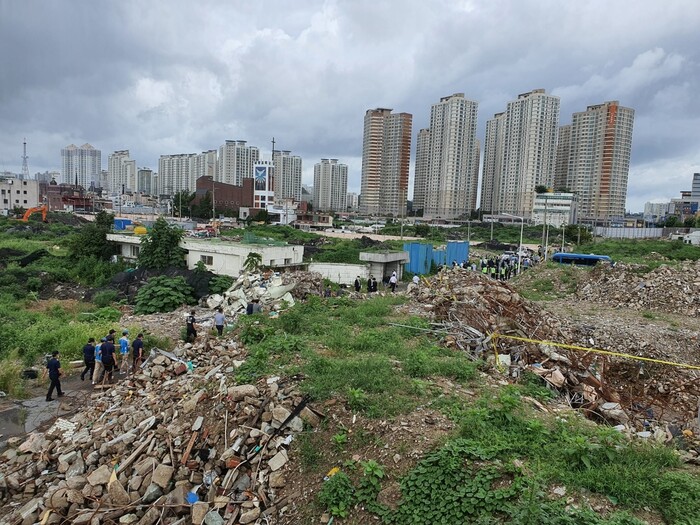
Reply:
x=181, y=203
x=422, y=230
x=262, y=216
x=252, y=262
x=672, y=221
x=160, y=247
x=91, y=240
x=541, y=188
x=689, y=222
x=203, y=208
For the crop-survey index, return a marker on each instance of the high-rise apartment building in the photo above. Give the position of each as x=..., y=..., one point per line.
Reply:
x=330, y=186
x=420, y=177
x=695, y=188
x=594, y=158
x=386, y=156
x=236, y=162
x=447, y=168
x=145, y=181
x=287, y=175
x=176, y=173
x=83, y=164
x=122, y=173
x=205, y=164
x=520, y=153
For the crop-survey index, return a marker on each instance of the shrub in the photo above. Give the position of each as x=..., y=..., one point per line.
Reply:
x=163, y=294
x=220, y=283
x=104, y=298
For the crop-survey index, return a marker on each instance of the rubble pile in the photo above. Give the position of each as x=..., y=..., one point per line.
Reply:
x=274, y=291
x=483, y=317
x=666, y=288
x=178, y=442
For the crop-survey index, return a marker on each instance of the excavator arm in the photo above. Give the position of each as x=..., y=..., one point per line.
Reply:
x=43, y=209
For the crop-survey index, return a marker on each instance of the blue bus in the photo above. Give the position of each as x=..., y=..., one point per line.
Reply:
x=581, y=259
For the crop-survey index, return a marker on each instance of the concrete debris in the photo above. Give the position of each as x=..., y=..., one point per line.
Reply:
x=666, y=288
x=474, y=313
x=166, y=449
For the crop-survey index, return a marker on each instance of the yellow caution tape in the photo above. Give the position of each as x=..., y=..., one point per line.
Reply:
x=496, y=336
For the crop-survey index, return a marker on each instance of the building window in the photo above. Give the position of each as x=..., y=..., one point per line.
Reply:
x=207, y=259
x=134, y=251
x=287, y=261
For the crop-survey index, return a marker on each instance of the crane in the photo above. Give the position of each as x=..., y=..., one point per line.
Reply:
x=43, y=209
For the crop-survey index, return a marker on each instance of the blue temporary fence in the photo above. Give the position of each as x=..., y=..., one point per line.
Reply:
x=121, y=224
x=422, y=255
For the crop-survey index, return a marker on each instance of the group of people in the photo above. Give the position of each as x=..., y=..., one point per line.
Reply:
x=501, y=267
x=101, y=360
x=391, y=281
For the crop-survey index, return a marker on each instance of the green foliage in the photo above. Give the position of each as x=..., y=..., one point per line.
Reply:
x=638, y=250
x=10, y=379
x=181, y=203
x=160, y=247
x=220, y=283
x=104, y=298
x=337, y=494
x=252, y=262
x=163, y=294
x=91, y=240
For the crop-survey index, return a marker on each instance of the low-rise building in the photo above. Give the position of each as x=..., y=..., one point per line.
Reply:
x=18, y=193
x=555, y=209
x=220, y=257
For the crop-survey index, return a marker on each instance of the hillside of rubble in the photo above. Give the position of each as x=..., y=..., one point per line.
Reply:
x=457, y=401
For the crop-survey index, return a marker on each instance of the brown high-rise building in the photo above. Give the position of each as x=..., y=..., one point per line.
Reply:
x=593, y=159
x=386, y=157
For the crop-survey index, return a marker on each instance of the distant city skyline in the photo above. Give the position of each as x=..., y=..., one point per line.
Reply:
x=305, y=73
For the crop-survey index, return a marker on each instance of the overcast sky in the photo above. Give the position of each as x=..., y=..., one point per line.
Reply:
x=177, y=76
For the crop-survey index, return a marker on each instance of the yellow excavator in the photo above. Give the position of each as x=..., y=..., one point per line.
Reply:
x=43, y=209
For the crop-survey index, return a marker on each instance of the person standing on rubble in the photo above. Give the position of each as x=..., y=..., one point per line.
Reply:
x=374, y=284
x=99, y=371
x=219, y=321
x=392, y=282
x=191, y=326
x=89, y=359
x=358, y=284
x=369, y=284
x=137, y=352
x=108, y=357
x=53, y=366
x=124, y=352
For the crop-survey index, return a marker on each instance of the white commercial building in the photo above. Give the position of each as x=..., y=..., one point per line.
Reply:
x=353, y=201
x=330, y=186
x=220, y=257
x=656, y=211
x=81, y=164
x=520, y=153
x=205, y=165
x=447, y=169
x=594, y=159
x=236, y=162
x=287, y=175
x=555, y=209
x=18, y=193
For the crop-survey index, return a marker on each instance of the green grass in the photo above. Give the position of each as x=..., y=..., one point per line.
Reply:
x=638, y=251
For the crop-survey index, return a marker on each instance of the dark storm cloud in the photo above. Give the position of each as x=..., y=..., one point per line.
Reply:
x=172, y=77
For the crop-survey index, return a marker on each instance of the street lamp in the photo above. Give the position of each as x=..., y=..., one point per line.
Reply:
x=520, y=248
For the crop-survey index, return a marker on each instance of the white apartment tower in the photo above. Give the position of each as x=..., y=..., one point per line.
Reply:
x=520, y=153
x=595, y=159
x=236, y=162
x=452, y=171
x=83, y=163
x=386, y=157
x=122, y=173
x=205, y=164
x=176, y=173
x=287, y=175
x=330, y=186
x=421, y=169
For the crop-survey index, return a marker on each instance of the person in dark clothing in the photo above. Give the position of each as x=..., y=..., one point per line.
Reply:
x=191, y=324
x=54, y=369
x=374, y=284
x=88, y=359
x=369, y=284
x=137, y=351
x=108, y=359
x=358, y=284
